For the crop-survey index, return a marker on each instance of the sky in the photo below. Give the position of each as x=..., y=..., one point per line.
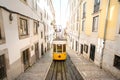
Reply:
x=60, y=19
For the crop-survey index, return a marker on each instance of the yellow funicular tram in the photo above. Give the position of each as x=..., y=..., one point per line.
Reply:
x=59, y=49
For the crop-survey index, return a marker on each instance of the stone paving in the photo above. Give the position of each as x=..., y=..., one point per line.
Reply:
x=39, y=70
x=87, y=69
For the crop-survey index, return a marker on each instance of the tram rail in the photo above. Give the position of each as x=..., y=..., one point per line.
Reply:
x=63, y=70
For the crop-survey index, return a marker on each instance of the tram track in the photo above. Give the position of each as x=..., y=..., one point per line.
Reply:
x=63, y=70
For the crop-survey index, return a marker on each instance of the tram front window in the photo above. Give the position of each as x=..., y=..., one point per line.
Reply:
x=59, y=48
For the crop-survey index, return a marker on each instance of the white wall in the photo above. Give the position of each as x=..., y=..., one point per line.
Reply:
x=13, y=43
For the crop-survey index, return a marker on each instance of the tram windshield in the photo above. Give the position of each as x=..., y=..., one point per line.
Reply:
x=59, y=47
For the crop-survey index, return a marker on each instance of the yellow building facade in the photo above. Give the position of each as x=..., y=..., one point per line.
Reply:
x=94, y=32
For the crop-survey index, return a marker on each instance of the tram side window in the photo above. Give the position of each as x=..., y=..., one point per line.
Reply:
x=59, y=48
x=64, y=48
x=54, y=48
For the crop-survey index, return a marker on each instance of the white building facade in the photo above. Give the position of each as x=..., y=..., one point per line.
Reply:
x=22, y=36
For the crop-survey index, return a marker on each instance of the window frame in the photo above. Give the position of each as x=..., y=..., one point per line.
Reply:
x=20, y=26
x=84, y=10
x=35, y=27
x=94, y=24
x=86, y=48
x=96, y=6
x=34, y=3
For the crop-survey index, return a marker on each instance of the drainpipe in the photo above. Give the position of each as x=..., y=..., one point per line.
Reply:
x=79, y=25
x=104, y=36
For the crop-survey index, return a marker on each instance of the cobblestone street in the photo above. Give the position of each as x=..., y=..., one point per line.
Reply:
x=39, y=70
x=87, y=69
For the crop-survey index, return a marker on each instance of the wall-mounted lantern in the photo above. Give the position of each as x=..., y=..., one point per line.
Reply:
x=10, y=17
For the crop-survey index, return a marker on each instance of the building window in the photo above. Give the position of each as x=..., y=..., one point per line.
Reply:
x=34, y=4
x=86, y=48
x=83, y=25
x=84, y=10
x=35, y=27
x=96, y=5
x=117, y=62
x=23, y=27
x=95, y=24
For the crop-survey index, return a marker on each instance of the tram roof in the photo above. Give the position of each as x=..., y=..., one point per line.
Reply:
x=59, y=41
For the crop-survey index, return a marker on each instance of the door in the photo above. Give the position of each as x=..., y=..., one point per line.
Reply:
x=26, y=59
x=92, y=52
x=76, y=46
x=81, y=49
x=42, y=49
x=37, y=51
x=2, y=67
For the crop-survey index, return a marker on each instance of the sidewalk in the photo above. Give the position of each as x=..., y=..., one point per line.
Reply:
x=87, y=69
x=39, y=70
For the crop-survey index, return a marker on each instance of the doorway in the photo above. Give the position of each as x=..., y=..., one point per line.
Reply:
x=2, y=67
x=37, y=51
x=92, y=52
x=76, y=46
x=81, y=50
x=26, y=58
x=42, y=49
